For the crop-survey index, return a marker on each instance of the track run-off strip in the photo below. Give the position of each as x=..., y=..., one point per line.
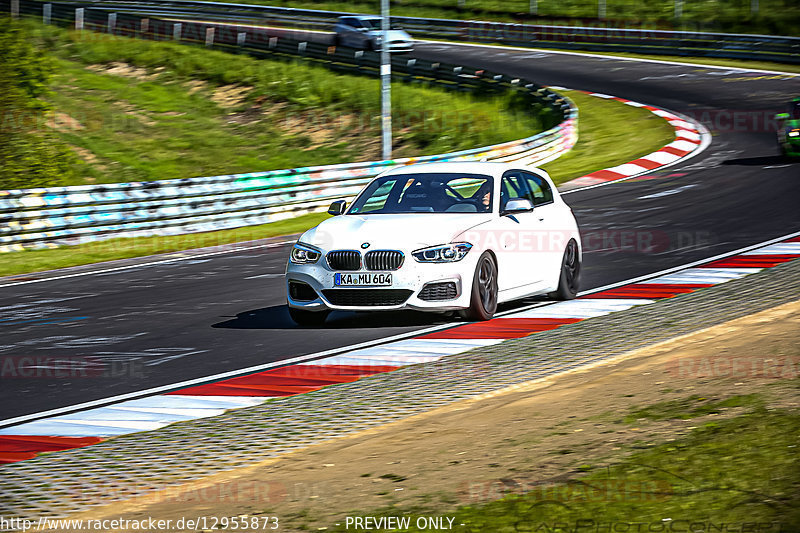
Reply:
x=90, y=426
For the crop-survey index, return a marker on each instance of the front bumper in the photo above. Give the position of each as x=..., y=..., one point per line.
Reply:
x=412, y=277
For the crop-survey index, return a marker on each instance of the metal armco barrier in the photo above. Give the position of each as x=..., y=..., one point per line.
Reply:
x=42, y=218
x=605, y=39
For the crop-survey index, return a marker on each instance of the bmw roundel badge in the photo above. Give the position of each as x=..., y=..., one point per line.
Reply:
x=364, y=246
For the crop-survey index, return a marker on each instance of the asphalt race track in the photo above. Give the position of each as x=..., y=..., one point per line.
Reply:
x=155, y=325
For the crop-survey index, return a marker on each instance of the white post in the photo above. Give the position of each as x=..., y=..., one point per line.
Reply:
x=14, y=9
x=754, y=7
x=209, y=37
x=176, y=31
x=144, y=28
x=47, y=13
x=534, y=7
x=79, y=18
x=678, y=9
x=386, y=83
x=240, y=38
x=601, y=9
x=112, y=22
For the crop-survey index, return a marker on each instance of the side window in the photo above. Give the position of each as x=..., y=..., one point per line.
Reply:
x=513, y=186
x=540, y=189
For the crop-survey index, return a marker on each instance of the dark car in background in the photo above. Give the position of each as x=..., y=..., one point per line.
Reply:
x=364, y=32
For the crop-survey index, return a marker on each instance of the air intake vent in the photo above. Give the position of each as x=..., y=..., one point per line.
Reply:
x=344, y=260
x=383, y=260
x=366, y=297
x=301, y=292
x=433, y=292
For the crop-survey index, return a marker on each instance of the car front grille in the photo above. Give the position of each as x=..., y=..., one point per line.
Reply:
x=433, y=292
x=344, y=260
x=366, y=297
x=383, y=260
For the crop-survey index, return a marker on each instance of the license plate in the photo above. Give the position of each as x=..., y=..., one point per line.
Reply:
x=365, y=279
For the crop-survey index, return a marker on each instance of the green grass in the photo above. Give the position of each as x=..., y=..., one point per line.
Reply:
x=38, y=260
x=775, y=17
x=735, y=471
x=690, y=407
x=609, y=134
x=141, y=110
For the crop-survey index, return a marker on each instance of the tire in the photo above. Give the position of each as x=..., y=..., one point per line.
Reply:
x=483, y=300
x=308, y=318
x=569, y=278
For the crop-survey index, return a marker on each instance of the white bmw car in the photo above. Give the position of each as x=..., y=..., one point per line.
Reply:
x=438, y=237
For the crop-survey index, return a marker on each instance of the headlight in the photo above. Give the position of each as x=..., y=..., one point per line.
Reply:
x=795, y=133
x=443, y=253
x=302, y=254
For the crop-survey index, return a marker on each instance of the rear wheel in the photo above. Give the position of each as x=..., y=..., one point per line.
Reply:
x=483, y=302
x=570, y=273
x=308, y=318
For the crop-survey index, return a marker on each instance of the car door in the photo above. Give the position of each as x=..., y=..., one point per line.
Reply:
x=350, y=36
x=549, y=223
x=516, y=238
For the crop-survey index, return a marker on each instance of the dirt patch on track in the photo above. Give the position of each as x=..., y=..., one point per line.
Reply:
x=543, y=431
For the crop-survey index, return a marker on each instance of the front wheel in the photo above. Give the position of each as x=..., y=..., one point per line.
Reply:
x=483, y=302
x=570, y=273
x=308, y=318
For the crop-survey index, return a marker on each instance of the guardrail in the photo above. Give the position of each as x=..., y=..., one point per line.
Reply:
x=49, y=217
x=661, y=42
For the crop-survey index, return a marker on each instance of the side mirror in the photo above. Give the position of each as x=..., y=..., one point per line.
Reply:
x=518, y=205
x=782, y=116
x=337, y=207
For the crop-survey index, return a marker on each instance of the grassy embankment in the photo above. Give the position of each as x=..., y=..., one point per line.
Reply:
x=724, y=473
x=775, y=17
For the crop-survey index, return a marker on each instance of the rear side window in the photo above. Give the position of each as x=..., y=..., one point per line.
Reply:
x=541, y=192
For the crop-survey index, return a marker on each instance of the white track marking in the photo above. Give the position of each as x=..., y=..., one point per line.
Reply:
x=160, y=262
x=621, y=58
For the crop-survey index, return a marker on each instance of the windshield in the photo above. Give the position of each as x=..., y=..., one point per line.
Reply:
x=426, y=193
x=375, y=24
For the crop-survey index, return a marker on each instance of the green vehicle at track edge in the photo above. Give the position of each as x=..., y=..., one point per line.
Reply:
x=789, y=130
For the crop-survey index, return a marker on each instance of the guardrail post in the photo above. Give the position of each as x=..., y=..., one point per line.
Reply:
x=47, y=13
x=273, y=42
x=457, y=74
x=79, y=18
x=301, y=48
x=601, y=9
x=358, y=55
x=241, y=37
x=112, y=22
x=14, y=9
x=144, y=27
x=209, y=37
x=534, y=10
x=678, y=9
x=176, y=31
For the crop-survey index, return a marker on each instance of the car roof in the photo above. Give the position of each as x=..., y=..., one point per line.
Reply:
x=468, y=167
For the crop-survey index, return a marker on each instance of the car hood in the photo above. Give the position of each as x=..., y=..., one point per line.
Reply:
x=393, y=35
x=404, y=232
